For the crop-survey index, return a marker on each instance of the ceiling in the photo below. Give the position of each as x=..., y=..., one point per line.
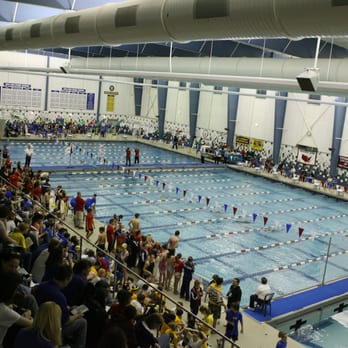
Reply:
x=19, y=11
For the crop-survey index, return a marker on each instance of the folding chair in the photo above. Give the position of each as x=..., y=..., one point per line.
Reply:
x=267, y=302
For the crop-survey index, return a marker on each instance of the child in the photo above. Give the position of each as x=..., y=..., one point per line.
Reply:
x=233, y=316
x=101, y=238
x=282, y=343
x=89, y=223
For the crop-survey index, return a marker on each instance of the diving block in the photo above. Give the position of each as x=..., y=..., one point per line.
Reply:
x=316, y=184
x=340, y=190
x=296, y=178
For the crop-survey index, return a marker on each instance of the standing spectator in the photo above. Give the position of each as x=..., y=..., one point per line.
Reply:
x=29, y=151
x=195, y=301
x=79, y=206
x=101, y=241
x=234, y=294
x=233, y=316
x=136, y=155
x=173, y=243
x=175, y=142
x=261, y=291
x=282, y=343
x=45, y=332
x=128, y=157
x=189, y=268
x=90, y=223
x=110, y=235
x=178, y=267
x=215, y=299
x=91, y=203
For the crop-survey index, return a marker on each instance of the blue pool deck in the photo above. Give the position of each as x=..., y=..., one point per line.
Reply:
x=289, y=304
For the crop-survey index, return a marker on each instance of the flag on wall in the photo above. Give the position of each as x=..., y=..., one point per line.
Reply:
x=307, y=155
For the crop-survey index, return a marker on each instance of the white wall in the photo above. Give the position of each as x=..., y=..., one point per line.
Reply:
x=149, y=103
x=255, y=116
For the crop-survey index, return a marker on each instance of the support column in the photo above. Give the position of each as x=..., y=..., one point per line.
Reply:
x=279, y=118
x=339, y=120
x=138, y=94
x=232, y=111
x=99, y=97
x=47, y=86
x=162, y=105
x=194, y=103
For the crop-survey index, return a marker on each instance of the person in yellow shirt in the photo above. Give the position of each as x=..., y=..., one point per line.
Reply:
x=215, y=299
x=207, y=318
x=18, y=237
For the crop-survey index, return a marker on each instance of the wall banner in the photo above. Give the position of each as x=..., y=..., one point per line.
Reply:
x=307, y=155
x=257, y=144
x=240, y=140
x=110, y=103
x=342, y=162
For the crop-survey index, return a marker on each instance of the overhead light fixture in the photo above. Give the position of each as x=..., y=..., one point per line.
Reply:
x=309, y=79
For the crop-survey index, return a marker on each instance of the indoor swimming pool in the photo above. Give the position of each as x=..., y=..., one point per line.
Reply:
x=233, y=224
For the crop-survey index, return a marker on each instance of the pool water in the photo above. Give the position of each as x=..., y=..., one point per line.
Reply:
x=319, y=329
x=233, y=224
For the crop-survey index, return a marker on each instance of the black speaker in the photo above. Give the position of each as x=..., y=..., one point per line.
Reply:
x=308, y=80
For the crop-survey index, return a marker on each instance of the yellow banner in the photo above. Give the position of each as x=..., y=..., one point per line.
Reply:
x=240, y=140
x=110, y=103
x=257, y=144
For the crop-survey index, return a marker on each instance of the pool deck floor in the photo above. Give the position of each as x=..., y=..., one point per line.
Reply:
x=257, y=333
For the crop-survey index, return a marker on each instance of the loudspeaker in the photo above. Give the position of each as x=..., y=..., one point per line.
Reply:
x=309, y=80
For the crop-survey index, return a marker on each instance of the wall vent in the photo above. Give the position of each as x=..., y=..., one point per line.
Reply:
x=9, y=35
x=210, y=9
x=126, y=17
x=339, y=2
x=217, y=89
x=72, y=25
x=35, y=30
x=261, y=93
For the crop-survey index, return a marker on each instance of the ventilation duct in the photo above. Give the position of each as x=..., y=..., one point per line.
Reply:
x=179, y=20
x=335, y=70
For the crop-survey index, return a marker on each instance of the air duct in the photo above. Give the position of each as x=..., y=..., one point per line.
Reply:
x=179, y=20
x=335, y=70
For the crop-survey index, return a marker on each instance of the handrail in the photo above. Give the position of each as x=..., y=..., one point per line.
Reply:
x=83, y=238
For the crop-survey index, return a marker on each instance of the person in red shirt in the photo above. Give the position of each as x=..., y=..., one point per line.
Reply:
x=136, y=155
x=37, y=191
x=178, y=267
x=128, y=157
x=89, y=222
x=79, y=206
x=110, y=235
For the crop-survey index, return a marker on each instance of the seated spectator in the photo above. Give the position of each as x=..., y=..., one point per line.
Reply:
x=261, y=291
x=112, y=335
x=22, y=297
x=96, y=316
x=127, y=324
x=74, y=291
x=74, y=327
x=9, y=283
x=143, y=329
x=117, y=309
x=45, y=332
